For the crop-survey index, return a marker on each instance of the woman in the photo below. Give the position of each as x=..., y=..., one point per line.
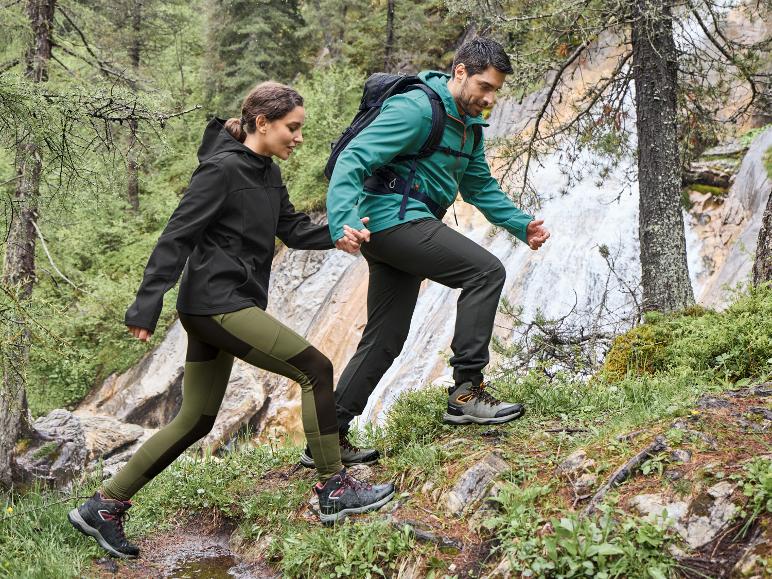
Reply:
x=225, y=226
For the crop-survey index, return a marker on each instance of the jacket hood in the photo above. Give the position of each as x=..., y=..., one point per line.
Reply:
x=439, y=82
x=218, y=140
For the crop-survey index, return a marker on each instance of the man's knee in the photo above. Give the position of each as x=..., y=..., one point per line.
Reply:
x=492, y=274
x=498, y=274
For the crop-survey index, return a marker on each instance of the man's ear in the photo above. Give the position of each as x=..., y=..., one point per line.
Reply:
x=459, y=72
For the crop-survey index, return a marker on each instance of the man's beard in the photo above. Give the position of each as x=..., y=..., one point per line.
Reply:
x=466, y=101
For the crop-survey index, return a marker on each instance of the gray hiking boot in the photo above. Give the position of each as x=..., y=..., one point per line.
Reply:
x=349, y=454
x=343, y=495
x=472, y=403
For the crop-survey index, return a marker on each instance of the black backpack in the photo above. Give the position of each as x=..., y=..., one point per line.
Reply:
x=379, y=87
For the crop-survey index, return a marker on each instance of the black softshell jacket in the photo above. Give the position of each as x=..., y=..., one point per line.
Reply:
x=225, y=227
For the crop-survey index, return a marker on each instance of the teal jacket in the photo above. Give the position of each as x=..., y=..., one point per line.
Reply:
x=402, y=127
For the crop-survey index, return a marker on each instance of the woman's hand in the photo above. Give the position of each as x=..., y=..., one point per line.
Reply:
x=140, y=333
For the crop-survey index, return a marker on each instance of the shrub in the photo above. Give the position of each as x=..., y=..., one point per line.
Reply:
x=331, y=96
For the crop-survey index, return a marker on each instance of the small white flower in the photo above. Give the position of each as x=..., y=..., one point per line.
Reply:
x=200, y=491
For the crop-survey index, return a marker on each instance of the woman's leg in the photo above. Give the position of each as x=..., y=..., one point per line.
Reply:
x=207, y=369
x=256, y=337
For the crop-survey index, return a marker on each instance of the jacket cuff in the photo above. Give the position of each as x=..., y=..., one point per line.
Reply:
x=518, y=225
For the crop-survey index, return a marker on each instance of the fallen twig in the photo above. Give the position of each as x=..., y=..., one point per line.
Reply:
x=624, y=472
x=629, y=435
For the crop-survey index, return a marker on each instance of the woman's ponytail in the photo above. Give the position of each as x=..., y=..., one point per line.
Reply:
x=236, y=129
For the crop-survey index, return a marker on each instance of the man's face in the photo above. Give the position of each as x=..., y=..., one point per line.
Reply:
x=478, y=91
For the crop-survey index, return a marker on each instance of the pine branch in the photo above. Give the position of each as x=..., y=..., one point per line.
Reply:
x=553, y=86
x=732, y=59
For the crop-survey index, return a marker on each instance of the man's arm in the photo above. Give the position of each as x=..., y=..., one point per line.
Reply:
x=402, y=126
x=479, y=188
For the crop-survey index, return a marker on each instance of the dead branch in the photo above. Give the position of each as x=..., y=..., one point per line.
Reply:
x=102, y=65
x=624, y=472
x=9, y=65
x=51, y=259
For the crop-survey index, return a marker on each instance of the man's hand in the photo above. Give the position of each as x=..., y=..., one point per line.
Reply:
x=536, y=234
x=353, y=238
x=140, y=333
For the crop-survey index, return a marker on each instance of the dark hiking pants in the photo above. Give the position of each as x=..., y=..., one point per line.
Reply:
x=256, y=337
x=400, y=258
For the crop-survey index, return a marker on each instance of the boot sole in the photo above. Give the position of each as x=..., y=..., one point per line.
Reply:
x=330, y=519
x=468, y=419
x=309, y=462
x=77, y=521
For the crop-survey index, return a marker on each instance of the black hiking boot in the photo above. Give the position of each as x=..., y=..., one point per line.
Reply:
x=102, y=518
x=343, y=495
x=349, y=454
x=473, y=403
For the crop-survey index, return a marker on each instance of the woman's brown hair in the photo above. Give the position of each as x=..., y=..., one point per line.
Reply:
x=272, y=99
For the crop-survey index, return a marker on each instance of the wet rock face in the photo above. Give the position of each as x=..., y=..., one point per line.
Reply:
x=473, y=485
x=55, y=453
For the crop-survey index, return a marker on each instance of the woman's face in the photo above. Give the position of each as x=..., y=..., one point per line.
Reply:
x=280, y=137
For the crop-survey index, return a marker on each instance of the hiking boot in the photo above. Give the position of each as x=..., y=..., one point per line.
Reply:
x=102, y=518
x=349, y=454
x=473, y=403
x=343, y=495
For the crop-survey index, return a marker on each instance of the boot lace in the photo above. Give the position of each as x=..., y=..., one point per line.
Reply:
x=119, y=519
x=481, y=393
x=355, y=484
x=346, y=444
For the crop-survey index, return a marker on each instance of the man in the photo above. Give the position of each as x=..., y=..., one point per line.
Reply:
x=406, y=242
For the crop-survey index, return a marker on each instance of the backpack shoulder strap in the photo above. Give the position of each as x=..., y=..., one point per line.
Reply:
x=478, y=135
x=438, y=123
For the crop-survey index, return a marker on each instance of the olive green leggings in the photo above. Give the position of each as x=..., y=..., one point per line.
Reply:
x=213, y=341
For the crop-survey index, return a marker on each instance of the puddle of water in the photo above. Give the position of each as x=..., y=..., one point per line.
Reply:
x=216, y=567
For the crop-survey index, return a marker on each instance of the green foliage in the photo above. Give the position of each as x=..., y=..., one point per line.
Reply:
x=331, y=97
x=415, y=417
x=354, y=32
x=636, y=352
x=730, y=346
x=713, y=190
x=37, y=541
x=612, y=545
x=352, y=549
x=210, y=483
x=249, y=41
x=756, y=481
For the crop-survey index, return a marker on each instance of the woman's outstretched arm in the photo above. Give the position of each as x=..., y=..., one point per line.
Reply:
x=200, y=203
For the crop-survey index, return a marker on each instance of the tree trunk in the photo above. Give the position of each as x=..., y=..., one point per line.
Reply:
x=666, y=285
x=387, y=64
x=762, y=267
x=133, y=156
x=19, y=266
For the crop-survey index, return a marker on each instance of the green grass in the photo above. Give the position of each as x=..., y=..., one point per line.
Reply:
x=353, y=549
x=665, y=368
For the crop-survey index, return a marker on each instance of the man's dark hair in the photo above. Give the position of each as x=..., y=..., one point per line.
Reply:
x=480, y=53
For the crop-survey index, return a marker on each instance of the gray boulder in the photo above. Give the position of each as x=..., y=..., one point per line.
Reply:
x=474, y=484
x=55, y=453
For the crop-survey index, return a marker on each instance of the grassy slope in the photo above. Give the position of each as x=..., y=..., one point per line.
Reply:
x=670, y=362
